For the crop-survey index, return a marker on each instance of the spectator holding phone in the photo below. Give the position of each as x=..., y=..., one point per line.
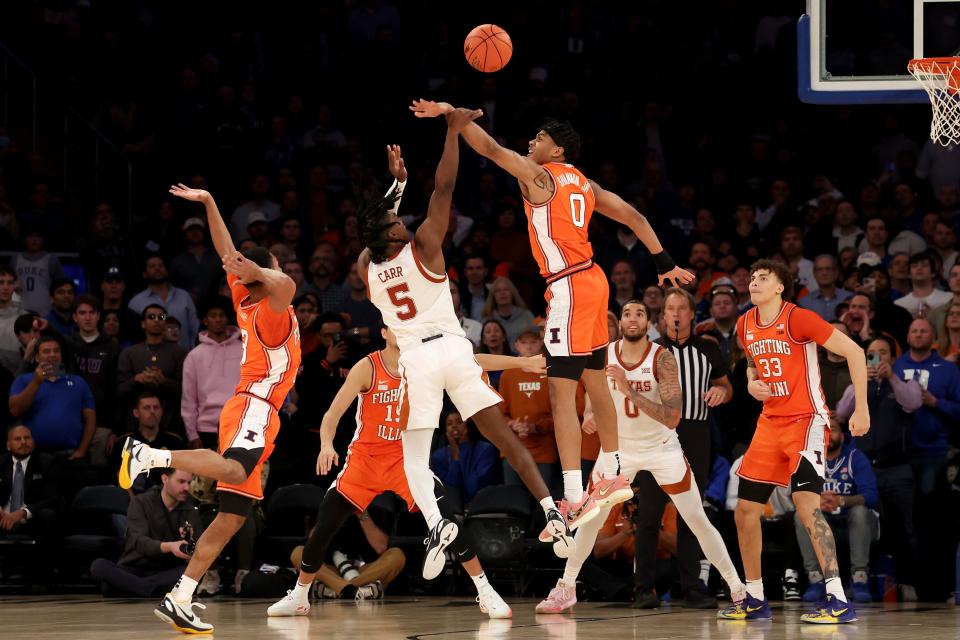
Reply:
x=57, y=406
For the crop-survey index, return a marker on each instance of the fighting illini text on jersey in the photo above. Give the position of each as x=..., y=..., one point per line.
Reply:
x=271, y=347
x=785, y=355
x=415, y=303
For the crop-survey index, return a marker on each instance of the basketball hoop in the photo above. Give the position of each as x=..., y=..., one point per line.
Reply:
x=940, y=78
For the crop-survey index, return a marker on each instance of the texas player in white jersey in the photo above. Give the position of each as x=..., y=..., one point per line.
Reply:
x=406, y=281
x=645, y=385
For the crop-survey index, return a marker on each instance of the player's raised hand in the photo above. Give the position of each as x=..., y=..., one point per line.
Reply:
x=429, y=109
x=534, y=364
x=459, y=118
x=677, y=275
x=395, y=163
x=183, y=191
x=759, y=390
x=327, y=459
x=244, y=269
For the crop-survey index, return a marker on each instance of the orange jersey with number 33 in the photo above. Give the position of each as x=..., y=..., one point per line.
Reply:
x=784, y=353
x=271, y=346
x=558, y=227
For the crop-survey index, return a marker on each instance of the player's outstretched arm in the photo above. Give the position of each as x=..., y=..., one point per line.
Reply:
x=494, y=362
x=222, y=242
x=431, y=233
x=357, y=381
x=399, y=172
x=521, y=168
x=841, y=345
x=279, y=286
x=616, y=208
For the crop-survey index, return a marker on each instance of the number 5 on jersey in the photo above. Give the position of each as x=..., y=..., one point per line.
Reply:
x=401, y=301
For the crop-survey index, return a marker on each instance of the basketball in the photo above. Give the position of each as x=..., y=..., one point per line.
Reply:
x=488, y=48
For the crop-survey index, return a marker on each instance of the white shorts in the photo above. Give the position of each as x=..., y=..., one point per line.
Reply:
x=666, y=463
x=445, y=364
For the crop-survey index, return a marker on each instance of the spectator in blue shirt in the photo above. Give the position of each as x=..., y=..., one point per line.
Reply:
x=176, y=301
x=57, y=406
x=824, y=299
x=849, y=501
x=940, y=381
x=465, y=464
x=62, y=298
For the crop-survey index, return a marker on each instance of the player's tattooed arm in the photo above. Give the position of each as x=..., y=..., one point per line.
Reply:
x=667, y=412
x=544, y=181
x=822, y=538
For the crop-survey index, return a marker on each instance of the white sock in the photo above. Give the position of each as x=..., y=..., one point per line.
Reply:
x=547, y=504
x=755, y=589
x=157, y=458
x=301, y=592
x=480, y=581
x=416, y=466
x=572, y=486
x=814, y=576
x=835, y=588
x=705, y=571
x=609, y=463
x=183, y=591
x=585, y=537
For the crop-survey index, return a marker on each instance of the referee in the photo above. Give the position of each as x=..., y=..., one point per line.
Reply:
x=704, y=383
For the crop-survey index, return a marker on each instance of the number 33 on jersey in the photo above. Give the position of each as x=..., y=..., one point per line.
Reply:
x=785, y=355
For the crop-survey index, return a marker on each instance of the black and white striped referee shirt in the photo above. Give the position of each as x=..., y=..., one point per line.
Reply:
x=700, y=362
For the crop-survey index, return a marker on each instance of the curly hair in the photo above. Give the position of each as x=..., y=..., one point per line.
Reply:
x=373, y=225
x=565, y=136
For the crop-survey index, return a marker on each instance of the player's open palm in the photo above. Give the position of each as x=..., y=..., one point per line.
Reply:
x=395, y=163
x=183, y=191
x=677, y=276
x=429, y=109
x=759, y=390
x=327, y=459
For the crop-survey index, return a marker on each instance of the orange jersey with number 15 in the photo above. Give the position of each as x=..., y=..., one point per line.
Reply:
x=271, y=347
x=784, y=353
x=558, y=227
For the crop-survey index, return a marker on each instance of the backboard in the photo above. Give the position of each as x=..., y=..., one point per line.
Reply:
x=856, y=51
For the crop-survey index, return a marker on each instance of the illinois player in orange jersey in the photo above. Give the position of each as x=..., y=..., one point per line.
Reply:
x=559, y=202
x=374, y=464
x=249, y=421
x=789, y=446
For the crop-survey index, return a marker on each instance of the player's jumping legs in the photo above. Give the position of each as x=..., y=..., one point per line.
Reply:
x=138, y=458
x=610, y=487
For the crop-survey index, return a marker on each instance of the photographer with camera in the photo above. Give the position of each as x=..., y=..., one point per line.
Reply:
x=57, y=406
x=163, y=525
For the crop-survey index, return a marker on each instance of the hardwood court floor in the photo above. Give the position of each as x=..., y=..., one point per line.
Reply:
x=89, y=617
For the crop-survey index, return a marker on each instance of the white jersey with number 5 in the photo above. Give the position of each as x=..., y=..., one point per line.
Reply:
x=415, y=303
x=634, y=427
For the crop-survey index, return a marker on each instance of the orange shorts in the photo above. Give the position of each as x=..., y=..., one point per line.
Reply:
x=577, y=313
x=778, y=445
x=248, y=423
x=364, y=477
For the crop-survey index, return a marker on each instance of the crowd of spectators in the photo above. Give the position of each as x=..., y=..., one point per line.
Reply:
x=854, y=200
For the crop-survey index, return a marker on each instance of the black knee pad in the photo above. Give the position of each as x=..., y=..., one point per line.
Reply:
x=248, y=458
x=462, y=546
x=235, y=504
x=806, y=478
x=754, y=491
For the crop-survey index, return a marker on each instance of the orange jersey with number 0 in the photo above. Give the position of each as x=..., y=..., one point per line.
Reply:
x=558, y=227
x=784, y=353
x=271, y=347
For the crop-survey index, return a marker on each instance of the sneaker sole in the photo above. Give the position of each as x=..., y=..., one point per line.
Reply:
x=621, y=495
x=584, y=519
x=274, y=614
x=187, y=630
x=802, y=619
x=564, y=546
x=553, y=611
x=433, y=567
x=493, y=615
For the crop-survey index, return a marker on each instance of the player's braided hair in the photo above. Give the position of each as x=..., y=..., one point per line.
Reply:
x=373, y=223
x=565, y=136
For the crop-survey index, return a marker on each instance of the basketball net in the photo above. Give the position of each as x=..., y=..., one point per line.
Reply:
x=940, y=78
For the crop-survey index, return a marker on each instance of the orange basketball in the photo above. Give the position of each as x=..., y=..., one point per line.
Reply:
x=488, y=48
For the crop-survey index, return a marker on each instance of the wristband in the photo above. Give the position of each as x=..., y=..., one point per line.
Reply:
x=664, y=262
